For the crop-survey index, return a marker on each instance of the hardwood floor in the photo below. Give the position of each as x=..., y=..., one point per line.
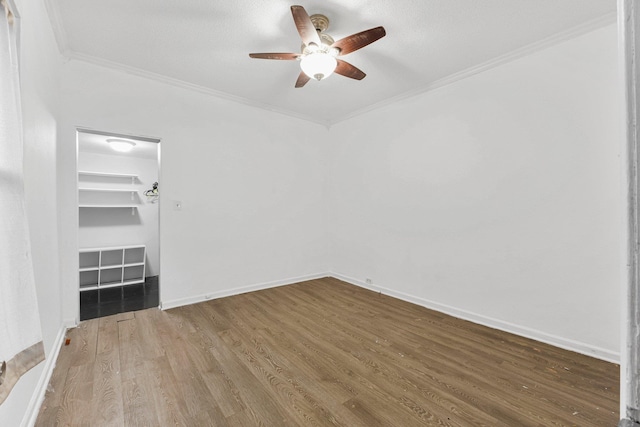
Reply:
x=318, y=353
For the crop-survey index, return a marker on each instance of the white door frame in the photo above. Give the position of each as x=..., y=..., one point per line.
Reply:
x=629, y=44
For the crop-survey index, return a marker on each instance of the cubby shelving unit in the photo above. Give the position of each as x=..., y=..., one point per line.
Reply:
x=109, y=267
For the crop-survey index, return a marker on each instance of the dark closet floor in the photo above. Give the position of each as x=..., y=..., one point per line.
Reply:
x=100, y=303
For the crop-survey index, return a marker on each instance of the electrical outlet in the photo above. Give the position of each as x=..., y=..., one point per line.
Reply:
x=368, y=281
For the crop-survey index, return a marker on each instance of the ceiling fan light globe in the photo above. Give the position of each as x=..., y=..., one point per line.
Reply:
x=318, y=65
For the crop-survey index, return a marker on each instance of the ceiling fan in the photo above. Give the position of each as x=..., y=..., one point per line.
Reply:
x=319, y=57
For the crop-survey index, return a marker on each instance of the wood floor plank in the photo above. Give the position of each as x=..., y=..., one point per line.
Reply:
x=76, y=397
x=106, y=404
x=318, y=377
x=137, y=389
x=202, y=407
x=290, y=393
x=138, y=406
x=86, y=340
x=220, y=388
x=170, y=408
x=262, y=388
x=322, y=353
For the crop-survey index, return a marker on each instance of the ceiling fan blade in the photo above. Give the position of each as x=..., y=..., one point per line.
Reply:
x=282, y=56
x=348, y=70
x=305, y=27
x=359, y=40
x=302, y=79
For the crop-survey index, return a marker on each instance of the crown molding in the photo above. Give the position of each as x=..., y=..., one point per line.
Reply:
x=514, y=55
x=58, y=28
x=190, y=86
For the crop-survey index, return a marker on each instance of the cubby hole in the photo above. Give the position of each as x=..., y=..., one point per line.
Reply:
x=88, y=278
x=134, y=273
x=133, y=255
x=113, y=257
x=110, y=276
x=89, y=259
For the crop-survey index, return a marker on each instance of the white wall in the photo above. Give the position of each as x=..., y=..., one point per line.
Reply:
x=496, y=198
x=117, y=227
x=251, y=183
x=39, y=64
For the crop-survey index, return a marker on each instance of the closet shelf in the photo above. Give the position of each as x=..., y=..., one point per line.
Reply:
x=108, y=190
x=107, y=174
x=108, y=206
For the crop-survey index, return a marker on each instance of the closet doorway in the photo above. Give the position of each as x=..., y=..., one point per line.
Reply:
x=119, y=222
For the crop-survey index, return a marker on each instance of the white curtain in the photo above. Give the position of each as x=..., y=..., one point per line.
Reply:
x=20, y=334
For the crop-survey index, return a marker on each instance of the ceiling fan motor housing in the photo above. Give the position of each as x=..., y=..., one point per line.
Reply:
x=320, y=22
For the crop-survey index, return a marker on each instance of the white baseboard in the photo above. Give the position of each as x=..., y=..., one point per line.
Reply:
x=165, y=305
x=37, y=397
x=565, y=343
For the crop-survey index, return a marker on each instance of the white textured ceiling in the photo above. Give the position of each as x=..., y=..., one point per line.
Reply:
x=204, y=44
